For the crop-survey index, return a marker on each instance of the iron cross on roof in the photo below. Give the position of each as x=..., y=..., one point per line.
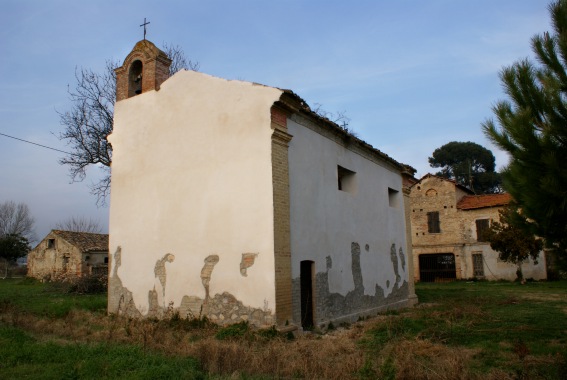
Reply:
x=144, y=25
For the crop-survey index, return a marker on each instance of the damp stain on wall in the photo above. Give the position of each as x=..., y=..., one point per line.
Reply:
x=330, y=306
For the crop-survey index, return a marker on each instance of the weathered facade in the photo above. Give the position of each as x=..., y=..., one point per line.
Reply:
x=234, y=200
x=68, y=253
x=447, y=223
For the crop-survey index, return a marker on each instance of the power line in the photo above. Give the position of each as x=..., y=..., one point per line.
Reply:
x=43, y=146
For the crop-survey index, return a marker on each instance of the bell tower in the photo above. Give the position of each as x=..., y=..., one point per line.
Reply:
x=144, y=69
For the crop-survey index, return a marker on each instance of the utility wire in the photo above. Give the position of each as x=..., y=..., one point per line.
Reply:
x=43, y=146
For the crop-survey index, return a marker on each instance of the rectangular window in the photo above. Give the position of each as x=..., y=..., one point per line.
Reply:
x=393, y=197
x=478, y=265
x=433, y=224
x=482, y=226
x=51, y=244
x=346, y=179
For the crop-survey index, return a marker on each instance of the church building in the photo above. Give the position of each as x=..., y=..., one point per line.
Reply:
x=235, y=201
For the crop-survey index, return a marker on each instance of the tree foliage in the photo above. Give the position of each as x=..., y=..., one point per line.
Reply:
x=79, y=224
x=13, y=246
x=90, y=119
x=469, y=164
x=510, y=240
x=16, y=219
x=533, y=130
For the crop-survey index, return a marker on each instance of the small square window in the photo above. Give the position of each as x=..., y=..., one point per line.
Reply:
x=51, y=244
x=393, y=197
x=346, y=179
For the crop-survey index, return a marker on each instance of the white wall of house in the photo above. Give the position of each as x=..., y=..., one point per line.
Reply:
x=325, y=221
x=191, y=177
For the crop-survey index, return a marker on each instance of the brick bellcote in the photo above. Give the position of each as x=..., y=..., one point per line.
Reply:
x=144, y=69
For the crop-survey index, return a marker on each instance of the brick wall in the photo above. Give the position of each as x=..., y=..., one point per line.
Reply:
x=155, y=69
x=282, y=247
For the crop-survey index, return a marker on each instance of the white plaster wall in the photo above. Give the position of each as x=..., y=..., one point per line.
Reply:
x=496, y=269
x=325, y=221
x=191, y=176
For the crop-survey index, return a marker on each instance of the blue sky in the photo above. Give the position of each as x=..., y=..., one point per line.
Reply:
x=411, y=75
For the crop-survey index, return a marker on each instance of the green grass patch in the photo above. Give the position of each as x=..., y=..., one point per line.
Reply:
x=501, y=320
x=22, y=356
x=41, y=299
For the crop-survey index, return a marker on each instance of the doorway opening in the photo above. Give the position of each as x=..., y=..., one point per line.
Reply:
x=306, y=280
x=437, y=268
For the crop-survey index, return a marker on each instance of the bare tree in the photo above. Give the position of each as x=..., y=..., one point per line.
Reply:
x=178, y=59
x=339, y=118
x=79, y=224
x=90, y=120
x=16, y=219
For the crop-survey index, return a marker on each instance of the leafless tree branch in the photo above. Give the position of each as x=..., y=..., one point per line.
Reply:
x=89, y=121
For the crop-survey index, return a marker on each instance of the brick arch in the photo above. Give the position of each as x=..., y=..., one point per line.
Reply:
x=155, y=69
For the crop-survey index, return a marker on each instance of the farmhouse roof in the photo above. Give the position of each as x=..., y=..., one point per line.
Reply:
x=85, y=241
x=471, y=202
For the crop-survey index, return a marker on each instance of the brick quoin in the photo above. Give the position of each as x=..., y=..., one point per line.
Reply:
x=282, y=242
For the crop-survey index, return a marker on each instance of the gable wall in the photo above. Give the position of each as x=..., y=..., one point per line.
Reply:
x=191, y=218
x=44, y=262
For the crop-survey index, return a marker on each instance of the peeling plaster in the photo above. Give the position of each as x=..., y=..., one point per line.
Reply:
x=394, y=257
x=207, y=271
x=121, y=296
x=402, y=259
x=334, y=306
x=222, y=308
x=159, y=271
x=246, y=262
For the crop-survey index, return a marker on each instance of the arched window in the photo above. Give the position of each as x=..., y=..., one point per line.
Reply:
x=431, y=193
x=135, y=78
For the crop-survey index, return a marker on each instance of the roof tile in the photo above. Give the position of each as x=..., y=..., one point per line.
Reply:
x=85, y=241
x=470, y=202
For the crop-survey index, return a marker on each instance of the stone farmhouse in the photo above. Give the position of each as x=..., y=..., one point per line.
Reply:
x=447, y=228
x=69, y=253
x=233, y=200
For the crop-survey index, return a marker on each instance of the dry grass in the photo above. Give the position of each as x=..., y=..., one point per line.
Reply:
x=426, y=342
x=335, y=355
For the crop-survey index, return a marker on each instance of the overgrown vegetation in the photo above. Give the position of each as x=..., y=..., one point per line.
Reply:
x=461, y=330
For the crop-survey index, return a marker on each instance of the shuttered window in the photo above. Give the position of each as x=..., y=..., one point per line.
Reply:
x=482, y=226
x=433, y=225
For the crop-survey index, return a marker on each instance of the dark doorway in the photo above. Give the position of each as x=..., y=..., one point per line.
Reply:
x=306, y=279
x=437, y=268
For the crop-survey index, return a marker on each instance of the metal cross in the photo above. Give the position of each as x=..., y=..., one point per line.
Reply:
x=144, y=25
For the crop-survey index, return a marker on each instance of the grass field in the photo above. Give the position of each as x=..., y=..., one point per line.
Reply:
x=460, y=330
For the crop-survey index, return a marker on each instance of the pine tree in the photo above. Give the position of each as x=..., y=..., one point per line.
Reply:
x=533, y=130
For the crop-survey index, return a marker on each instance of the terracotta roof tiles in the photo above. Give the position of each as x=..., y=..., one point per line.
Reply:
x=470, y=202
x=85, y=241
